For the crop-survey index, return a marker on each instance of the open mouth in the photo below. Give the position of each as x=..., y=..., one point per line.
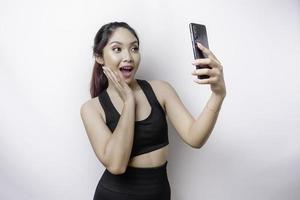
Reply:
x=126, y=71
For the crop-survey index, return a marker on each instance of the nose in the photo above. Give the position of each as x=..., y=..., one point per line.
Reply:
x=127, y=57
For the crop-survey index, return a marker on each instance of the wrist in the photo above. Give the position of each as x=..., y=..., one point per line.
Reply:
x=130, y=101
x=214, y=109
x=215, y=102
x=219, y=97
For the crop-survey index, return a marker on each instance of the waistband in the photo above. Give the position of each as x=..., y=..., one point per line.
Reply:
x=146, y=170
x=136, y=179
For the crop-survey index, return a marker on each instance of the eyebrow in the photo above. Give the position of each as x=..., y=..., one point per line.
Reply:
x=122, y=43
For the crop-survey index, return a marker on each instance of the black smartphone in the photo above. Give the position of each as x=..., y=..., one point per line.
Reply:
x=199, y=34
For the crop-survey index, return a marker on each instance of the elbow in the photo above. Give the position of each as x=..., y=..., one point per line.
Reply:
x=114, y=166
x=199, y=142
x=197, y=145
x=116, y=170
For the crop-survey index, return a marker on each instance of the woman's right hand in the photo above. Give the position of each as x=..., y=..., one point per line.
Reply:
x=120, y=85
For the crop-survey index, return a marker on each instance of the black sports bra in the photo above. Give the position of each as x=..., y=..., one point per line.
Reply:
x=149, y=134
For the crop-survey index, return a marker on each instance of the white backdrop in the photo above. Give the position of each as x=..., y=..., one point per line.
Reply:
x=45, y=68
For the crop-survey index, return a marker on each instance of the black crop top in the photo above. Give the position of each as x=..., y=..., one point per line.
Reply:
x=149, y=134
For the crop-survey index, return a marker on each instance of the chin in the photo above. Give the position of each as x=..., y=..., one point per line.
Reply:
x=129, y=80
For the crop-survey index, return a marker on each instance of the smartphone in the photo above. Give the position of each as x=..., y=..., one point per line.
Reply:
x=199, y=34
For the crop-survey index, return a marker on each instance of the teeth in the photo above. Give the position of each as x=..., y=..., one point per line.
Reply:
x=126, y=67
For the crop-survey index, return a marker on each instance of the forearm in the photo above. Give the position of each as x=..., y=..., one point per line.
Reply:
x=204, y=124
x=119, y=146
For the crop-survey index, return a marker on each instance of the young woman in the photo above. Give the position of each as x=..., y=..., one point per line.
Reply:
x=126, y=118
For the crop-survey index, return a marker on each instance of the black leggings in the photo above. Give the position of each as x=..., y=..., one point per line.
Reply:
x=135, y=184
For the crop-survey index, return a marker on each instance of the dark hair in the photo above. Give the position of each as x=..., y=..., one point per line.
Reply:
x=99, y=81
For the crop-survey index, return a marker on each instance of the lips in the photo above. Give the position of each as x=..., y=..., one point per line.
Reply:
x=126, y=67
x=126, y=71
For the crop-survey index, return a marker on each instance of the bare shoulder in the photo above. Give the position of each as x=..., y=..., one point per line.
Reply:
x=157, y=82
x=161, y=88
x=92, y=104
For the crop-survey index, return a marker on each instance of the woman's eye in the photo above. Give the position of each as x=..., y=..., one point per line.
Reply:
x=117, y=49
x=135, y=49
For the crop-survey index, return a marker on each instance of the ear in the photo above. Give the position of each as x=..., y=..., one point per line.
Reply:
x=99, y=60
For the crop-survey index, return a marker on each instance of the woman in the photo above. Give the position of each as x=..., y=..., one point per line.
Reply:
x=126, y=118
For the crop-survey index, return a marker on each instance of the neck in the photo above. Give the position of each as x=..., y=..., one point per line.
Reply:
x=134, y=86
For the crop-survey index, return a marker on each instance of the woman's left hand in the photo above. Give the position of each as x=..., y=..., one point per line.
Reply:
x=216, y=78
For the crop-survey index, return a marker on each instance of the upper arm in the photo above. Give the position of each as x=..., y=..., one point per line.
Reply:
x=176, y=112
x=96, y=129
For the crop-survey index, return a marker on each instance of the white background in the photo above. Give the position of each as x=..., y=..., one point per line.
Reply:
x=46, y=65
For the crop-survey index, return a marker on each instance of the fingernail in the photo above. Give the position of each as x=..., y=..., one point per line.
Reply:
x=199, y=44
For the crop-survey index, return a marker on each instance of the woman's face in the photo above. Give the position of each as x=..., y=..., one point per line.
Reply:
x=122, y=50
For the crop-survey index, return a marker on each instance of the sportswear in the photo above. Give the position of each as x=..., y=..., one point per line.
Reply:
x=149, y=134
